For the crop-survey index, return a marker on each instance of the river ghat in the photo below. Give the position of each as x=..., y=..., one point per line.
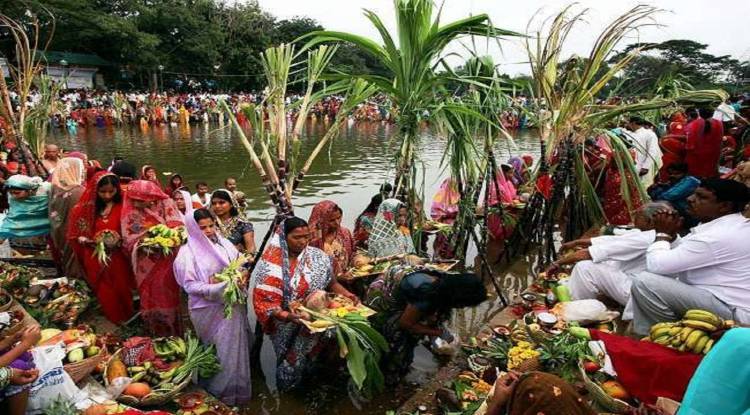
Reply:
x=349, y=172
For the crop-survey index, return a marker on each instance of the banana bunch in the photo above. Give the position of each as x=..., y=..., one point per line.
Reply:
x=691, y=334
x=159, y=379
x=164, y=238
x=170, y=348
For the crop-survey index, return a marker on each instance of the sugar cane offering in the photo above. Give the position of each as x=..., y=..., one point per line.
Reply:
x=234, y=293
x=163, y=239
x=105, y=240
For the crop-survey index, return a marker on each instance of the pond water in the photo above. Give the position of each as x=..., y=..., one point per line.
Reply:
x=349, y=172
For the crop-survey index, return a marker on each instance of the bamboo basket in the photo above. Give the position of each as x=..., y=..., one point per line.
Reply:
x=79, y=370
x=529, y=365
x=604, y=401
x=152, y=399
x=6, y=295
x=26, y=321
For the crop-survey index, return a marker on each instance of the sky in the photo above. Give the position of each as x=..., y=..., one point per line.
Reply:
x=727, y=32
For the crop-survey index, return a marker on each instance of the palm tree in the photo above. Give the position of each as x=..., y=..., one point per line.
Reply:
x=411, y=55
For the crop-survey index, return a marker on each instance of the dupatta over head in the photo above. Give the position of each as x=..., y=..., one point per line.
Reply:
x=321, y=214
x=83, y=215
x=385, y=238
x=162, y=210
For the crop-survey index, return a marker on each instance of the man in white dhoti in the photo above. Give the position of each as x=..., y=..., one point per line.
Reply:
x=608, y=263
x=709, y=268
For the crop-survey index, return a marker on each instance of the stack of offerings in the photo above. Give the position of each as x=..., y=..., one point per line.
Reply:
x=696, y=332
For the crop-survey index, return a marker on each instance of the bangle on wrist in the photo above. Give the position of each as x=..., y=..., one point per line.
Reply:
x=664, y=235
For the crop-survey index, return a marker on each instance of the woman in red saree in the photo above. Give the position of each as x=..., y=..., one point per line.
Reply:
x=672, y=149
x=703, y=146
x=99, y=210
x=329, y=236
x=146, y=206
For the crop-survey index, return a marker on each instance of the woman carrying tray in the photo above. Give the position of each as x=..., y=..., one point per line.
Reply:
x=288, y=271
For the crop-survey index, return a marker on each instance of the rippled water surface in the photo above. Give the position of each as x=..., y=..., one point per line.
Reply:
x=349, y=172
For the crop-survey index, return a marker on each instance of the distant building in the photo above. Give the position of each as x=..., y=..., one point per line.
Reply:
x=75, y=70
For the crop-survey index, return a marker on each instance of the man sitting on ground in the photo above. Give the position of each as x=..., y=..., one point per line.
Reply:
x=608, y=263
x=707, y=269
x=678, y=189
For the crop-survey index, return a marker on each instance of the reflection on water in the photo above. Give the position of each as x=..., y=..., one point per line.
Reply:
x=348, y=172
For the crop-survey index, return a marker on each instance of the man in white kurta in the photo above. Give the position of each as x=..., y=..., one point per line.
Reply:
x=611, y=261
x=647, y=151
x=709, y=268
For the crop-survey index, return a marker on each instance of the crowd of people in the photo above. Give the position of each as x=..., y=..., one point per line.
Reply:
x=84, y=108
x=684, y=250
x=83, y=206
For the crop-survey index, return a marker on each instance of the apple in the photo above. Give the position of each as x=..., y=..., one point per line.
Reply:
x=591, y=367
x=615, y=389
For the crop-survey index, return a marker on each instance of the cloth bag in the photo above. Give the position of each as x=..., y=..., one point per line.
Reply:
x=53, y=382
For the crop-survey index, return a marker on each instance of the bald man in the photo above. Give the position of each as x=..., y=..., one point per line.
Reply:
x=51, y=157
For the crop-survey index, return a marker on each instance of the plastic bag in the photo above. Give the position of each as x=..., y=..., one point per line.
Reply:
x=447, y=344
x=584, y=311
x=53, y=381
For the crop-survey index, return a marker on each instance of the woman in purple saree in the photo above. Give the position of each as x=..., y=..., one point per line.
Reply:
x=205, y=255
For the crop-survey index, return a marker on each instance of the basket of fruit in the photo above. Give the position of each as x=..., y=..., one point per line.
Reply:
x=159, y=369
x=608, y=393
x=84, y=352
x=328, y=304
x=523, y=358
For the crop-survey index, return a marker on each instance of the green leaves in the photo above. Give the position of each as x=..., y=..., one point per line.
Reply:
x=362, y=347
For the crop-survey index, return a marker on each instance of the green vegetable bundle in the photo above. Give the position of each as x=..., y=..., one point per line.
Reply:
x=233, y=292
x=164, y=238
x=199, y=359
x=104, y=240
x=362, y=347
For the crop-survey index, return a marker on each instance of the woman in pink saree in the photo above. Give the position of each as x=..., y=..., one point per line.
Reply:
x=206, y=254
x=502, y=194
x=146, y=206
x=445, y=209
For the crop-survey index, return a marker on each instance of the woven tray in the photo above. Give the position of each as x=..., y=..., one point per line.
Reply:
x=79, y=370
x=6, y=300
x=606, y=402
x=151, y=399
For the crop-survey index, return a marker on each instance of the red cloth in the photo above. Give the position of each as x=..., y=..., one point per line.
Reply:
x=703, y=149
x=154, y=276
x=648, y=370
x=113, y=283
x=673, y=151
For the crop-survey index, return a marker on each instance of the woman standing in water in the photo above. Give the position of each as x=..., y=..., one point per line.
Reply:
x=390, y=234
x=289, y=271
x=329, y=236
x=100, y=210
x=231, y=224
x=146, y=206
x=67, y=188
x=206, y=254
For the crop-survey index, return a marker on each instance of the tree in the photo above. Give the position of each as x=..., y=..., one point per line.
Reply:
x=682, y=57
